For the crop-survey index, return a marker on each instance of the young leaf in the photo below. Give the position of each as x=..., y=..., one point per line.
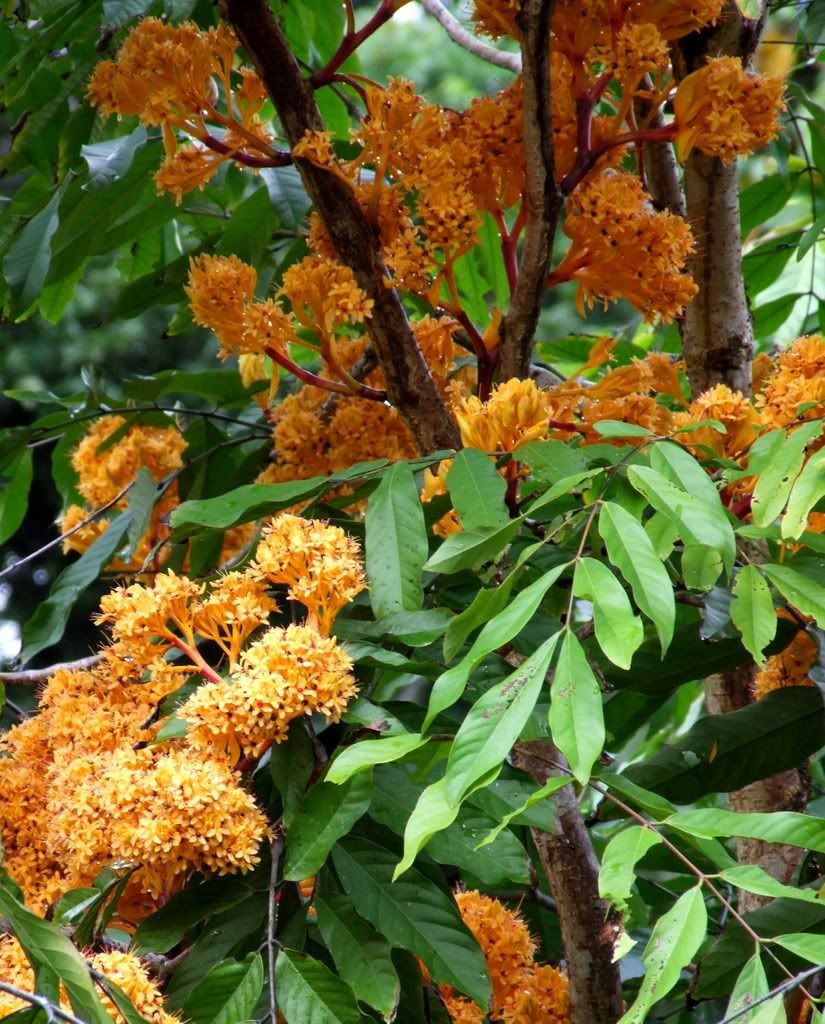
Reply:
x=805, y=594
x=495, y=722
x=367, y=753
x=630, y=550
x=500, y=630
x=618, y=631
x=752, y=611
x=431, y=814
x=477, y=490
x=576, y=713
x=309, y=992
x=680, y=467
x=776, y=480
x=808, y=489
x=413, y=914
x=621, y=855
x=676, y=937
x=362, y=956
x=327, y=813
x=396, y=544
x=773, y=827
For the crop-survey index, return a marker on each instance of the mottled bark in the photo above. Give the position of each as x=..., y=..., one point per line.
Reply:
x=542, y=195
x=588, y=932
x=410, y=385
x=661, y=168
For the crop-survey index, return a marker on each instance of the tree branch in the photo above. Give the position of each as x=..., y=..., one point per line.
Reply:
x=410, y=385
x=33, y=676
x=660, y=165
x=456, y=31
x=588, y=934
x=543, y=196
x=717, y=335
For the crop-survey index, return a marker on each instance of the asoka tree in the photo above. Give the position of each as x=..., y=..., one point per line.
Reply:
x=398, y=707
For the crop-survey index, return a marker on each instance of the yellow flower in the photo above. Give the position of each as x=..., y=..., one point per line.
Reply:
x=235, y=607
x=497, y=18
x=637, y=49
x=219, y=289
x=798, y=377
x=324, y=295
x=319, y=563
x=724, y=111
x=126, y=971
x=516, y=412
x=146, y=619
x=676, y=18
x=733, y=410
x=285, y=674
x=790, y=667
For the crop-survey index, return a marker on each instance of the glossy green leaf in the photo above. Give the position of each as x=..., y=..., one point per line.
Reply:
x=141, y=504
x=309, y=993
x=675, y=939
x=117, y=13
x=551, y=460
x=477, y=491
x=396, y=544
x=413, y=914
x=763, y=200
x=26, y=264
x=15, y=481
x=242, y=505
x=777, y=479
x=108, y=161
x=291, y=765
x=618, y=631
x=539, y=796
x=804, y=593
x=576, y=713
x=616, y=428
x=362, y=957
x=228, y=994
x=327, y=813
x=773, y=827
x=500, y=630
x=469, y=549
x=804, y=945
x=630, y=550
x=807, y=491
x=495, y=722
x=432, y=813
x=752, y=878
x=701, y=567
x=752, y=611
x=619, y=860
x=360, y=756
x=165, y=928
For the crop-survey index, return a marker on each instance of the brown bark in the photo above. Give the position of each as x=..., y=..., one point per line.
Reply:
x=410, y=385
x=661, y=168
x=787, y=791
x=717, y=335
x=542, y=194
x=588, y=932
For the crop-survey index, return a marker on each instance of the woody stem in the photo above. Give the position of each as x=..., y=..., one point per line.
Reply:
x=336, y=387
x=350, y=43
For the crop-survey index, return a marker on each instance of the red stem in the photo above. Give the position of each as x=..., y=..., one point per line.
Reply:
x=487, y=359
x=508, y=250
x=242, y=157
x=742, y=507
x=350, y=43
x=336, y=387
x=586, y=161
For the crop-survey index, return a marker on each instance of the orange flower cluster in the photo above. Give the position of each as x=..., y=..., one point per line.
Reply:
x=523, y=991
x=172, y=76
x=789, y=667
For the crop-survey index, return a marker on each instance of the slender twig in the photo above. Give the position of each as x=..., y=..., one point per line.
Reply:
x=242, y=157
x=530, y=893
x=350, y=43
x=276, y=850
x=336, y=387
x=52, y=1011
x=33, y=676
x=456, y=31
x=796, y=981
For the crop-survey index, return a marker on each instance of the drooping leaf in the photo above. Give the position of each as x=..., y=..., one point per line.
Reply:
x=362, y=957
x=360, y=756
x=500, y=630
x=621, y=855
x=396, y=544
x=141, y=504
x=752, y=611
x=327, y=813
x=164, y=929
x=630, y=550
x=309, y=993
x=27, y=261
x=108, y=161
x=618, y=631
x=477, y=491
x=413, y=914
x=775, y=482
x=676, y=937
x=242, y=505
x=576, y=713
x=469, y=549
x=540, y=796
x=495, y=722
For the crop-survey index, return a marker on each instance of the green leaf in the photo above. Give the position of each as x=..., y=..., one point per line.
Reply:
x=621, y=855
x=810, y=238
x=228, y=994
x=698, y=520
x=291, y=764
x=165, y=928
x=804, y=945
x=752, y=611
x=776, y=480
x=723, y=753
x=576, y=713
x=360, y=756
x=770, y=316
x=287, y=195
x=110, y=160
x=680, y=467
x=477, y=491
x=808, y=489
x=117, y=13
x=47, y=947
x=499, y=630
x=309, y=993
x=141, y=504
x=752, y=984
x=362, y=957
x=551, y=461
x=676, y=937
x=805, y=594
x=15, y=481
x=755, y=879
x=249, y=229
x=616, y=428
x=47, y=624
x=618, y=631
x=327, y=813
x=773, y=827
x=469, y=549
x=413, y=914
x=396, y=544
x=701, y=567
x=432, y=813
x=26, y=264
x=241, y=505
x=763, y=200
x=495, y=722
x=630, y=550
x=540, y=796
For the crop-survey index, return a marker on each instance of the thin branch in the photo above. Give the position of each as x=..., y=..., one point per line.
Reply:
x=456, y=31
x=276, y=850
x=786, y=986
x=33, y=676
x=410, y=385
x=542, y=195
x=52, y=1011
x=660, y=164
